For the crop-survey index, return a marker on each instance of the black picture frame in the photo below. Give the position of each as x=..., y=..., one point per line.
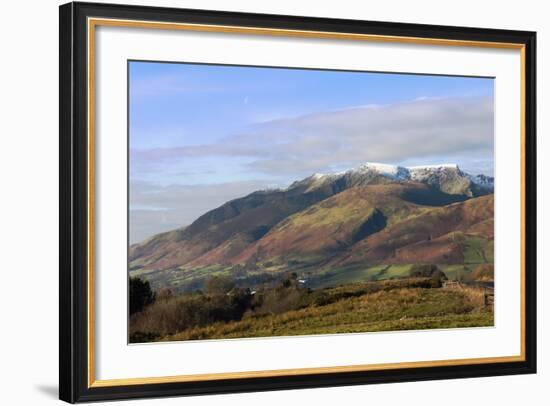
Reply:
x=74, y=199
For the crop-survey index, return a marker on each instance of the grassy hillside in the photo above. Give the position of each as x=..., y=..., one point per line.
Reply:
x=240, y=221
x=355, y=315
x=405, y=304
x=427, y=235
x=333, y=224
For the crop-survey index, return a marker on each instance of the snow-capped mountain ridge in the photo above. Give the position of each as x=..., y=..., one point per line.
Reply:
x=393, y=171
x=447, y=177
x=453, y=166
x=407, y=172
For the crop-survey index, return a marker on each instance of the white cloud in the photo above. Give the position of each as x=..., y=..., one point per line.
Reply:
x=415, y=130
x=393, y=133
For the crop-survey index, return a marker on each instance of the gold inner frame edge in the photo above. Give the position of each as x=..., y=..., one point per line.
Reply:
x=94, y=22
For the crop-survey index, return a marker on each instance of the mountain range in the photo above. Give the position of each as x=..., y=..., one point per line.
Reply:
x=368, y=222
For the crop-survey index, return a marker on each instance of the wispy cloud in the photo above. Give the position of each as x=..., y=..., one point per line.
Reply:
x=460, y=127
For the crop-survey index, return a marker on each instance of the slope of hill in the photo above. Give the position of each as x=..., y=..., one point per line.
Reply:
x=373, y=216
x=335, y=224
x=434, y=235
x=241, y=222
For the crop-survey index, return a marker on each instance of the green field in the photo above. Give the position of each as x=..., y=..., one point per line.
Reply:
x=339, y=276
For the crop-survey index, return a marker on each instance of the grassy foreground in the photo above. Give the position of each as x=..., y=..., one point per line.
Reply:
x=400, y=309
x=406, y=304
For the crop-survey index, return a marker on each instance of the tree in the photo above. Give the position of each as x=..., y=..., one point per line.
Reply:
x=216, y=285
x=422, y=270
x=141, y=295
x=431, y=271
x=438, y=277
x=290, y=279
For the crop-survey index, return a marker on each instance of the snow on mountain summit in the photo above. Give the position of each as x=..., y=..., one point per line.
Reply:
x=446, y=177
x=391, y=171
x=427, y=167
x=403, y=173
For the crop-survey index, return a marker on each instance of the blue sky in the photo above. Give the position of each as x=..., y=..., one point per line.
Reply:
x=204, y=134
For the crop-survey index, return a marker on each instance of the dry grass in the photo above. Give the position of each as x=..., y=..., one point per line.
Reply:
x=399, y=309
x=475, y=296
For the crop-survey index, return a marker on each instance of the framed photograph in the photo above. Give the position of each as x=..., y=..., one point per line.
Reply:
x=257, y=202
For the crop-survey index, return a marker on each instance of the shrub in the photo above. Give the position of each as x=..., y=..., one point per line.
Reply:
x=485, y=273
x=186, y=311
x=279, y=300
